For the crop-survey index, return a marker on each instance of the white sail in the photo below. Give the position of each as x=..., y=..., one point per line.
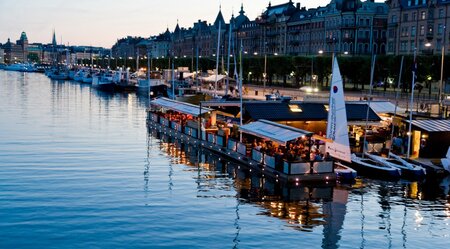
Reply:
x=337, y=118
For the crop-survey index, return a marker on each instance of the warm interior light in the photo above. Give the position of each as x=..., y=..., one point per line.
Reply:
x=295, y=108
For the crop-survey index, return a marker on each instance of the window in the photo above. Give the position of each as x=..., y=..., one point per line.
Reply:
x=394, y=19
x=423, y=15
x=422, y=30
x=441, y=13
x=413, y=31
x=391, y=47
x=405, y=17
x=414, y=16
x=440, y=29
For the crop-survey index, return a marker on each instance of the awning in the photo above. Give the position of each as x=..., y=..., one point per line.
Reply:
x=178, y=106
x=274, y=131
x=431, y=125
x=383, y=107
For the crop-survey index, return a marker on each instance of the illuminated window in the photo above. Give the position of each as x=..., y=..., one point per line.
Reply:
x=295, y=108
x=327, y=107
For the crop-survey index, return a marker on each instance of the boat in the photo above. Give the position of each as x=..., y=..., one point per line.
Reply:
x=103, y=81
x=344, y=173
x=58, y=73
x=338, y=144
x=431, y=169
x=87, y=77
x=408, y=170
x=446, y=161
x=124, y=81
x=20, y=67
x=374, y=169
x=79, y=75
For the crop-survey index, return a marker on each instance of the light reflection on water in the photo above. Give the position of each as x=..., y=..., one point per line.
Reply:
x=78, y=167
x=308, y=208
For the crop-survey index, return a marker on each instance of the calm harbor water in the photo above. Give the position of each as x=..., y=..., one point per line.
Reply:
x=79, y=168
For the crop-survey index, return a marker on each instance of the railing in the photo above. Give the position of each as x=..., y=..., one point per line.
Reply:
x=269, y=161
x=211, y=138
x=257, y=156
x=323, y=167
x=299, y=168
x=155, y=117
x=220, y=140
x=232, y=145
x=242, y=149
x=289, y=168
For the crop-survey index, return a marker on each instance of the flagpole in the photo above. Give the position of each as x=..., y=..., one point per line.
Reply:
x=411, y=103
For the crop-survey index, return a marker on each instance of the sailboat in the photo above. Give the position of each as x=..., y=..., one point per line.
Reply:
x=408, y=170
x=337, y=132
x=339, y=148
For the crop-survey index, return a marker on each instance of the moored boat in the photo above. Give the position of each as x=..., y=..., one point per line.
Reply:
x=345, y=173
x=408, y=170
x=373, y=169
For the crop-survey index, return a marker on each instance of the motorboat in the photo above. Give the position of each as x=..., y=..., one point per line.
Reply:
x=408, y=170
x=20, y=67
x=103, y=81
x=87, y=77
x=58, y=74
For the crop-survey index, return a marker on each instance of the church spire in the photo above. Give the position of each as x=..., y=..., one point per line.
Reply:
x=242, y=12
x=54, y=38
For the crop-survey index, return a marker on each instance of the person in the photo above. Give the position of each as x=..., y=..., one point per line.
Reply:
x=277, y=94
x=317, y=157
x=327, y=157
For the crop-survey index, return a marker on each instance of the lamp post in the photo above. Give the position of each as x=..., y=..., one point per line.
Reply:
x=265, y=68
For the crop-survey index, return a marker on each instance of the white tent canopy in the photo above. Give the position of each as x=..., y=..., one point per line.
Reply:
x=274, y=131
x=212, y=78
x=178, y=106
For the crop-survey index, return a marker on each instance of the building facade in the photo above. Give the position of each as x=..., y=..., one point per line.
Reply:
x=2, y=55
x=418, y=25
x=343, y=26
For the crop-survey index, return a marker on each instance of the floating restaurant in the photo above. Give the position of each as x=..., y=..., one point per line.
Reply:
x=283, y=152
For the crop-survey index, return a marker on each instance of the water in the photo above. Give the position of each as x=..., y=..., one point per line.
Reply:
x=78, y=168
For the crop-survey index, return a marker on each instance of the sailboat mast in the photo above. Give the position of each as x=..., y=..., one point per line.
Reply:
x=368, y=102
x=396, y=104
x=240, y=89
x=228, y=57
x=411, y=103
x=173, y=79
x=217, y=59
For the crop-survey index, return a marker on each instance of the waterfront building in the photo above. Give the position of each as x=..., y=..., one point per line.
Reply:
x=16, y=52
x=2, y=55
x=343, y=26
x=127, y=47
x=417, y=24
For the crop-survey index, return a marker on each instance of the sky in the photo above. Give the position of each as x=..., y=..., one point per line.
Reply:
x=102, y=22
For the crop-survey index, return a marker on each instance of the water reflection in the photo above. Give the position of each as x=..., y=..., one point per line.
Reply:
x=389, y=206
